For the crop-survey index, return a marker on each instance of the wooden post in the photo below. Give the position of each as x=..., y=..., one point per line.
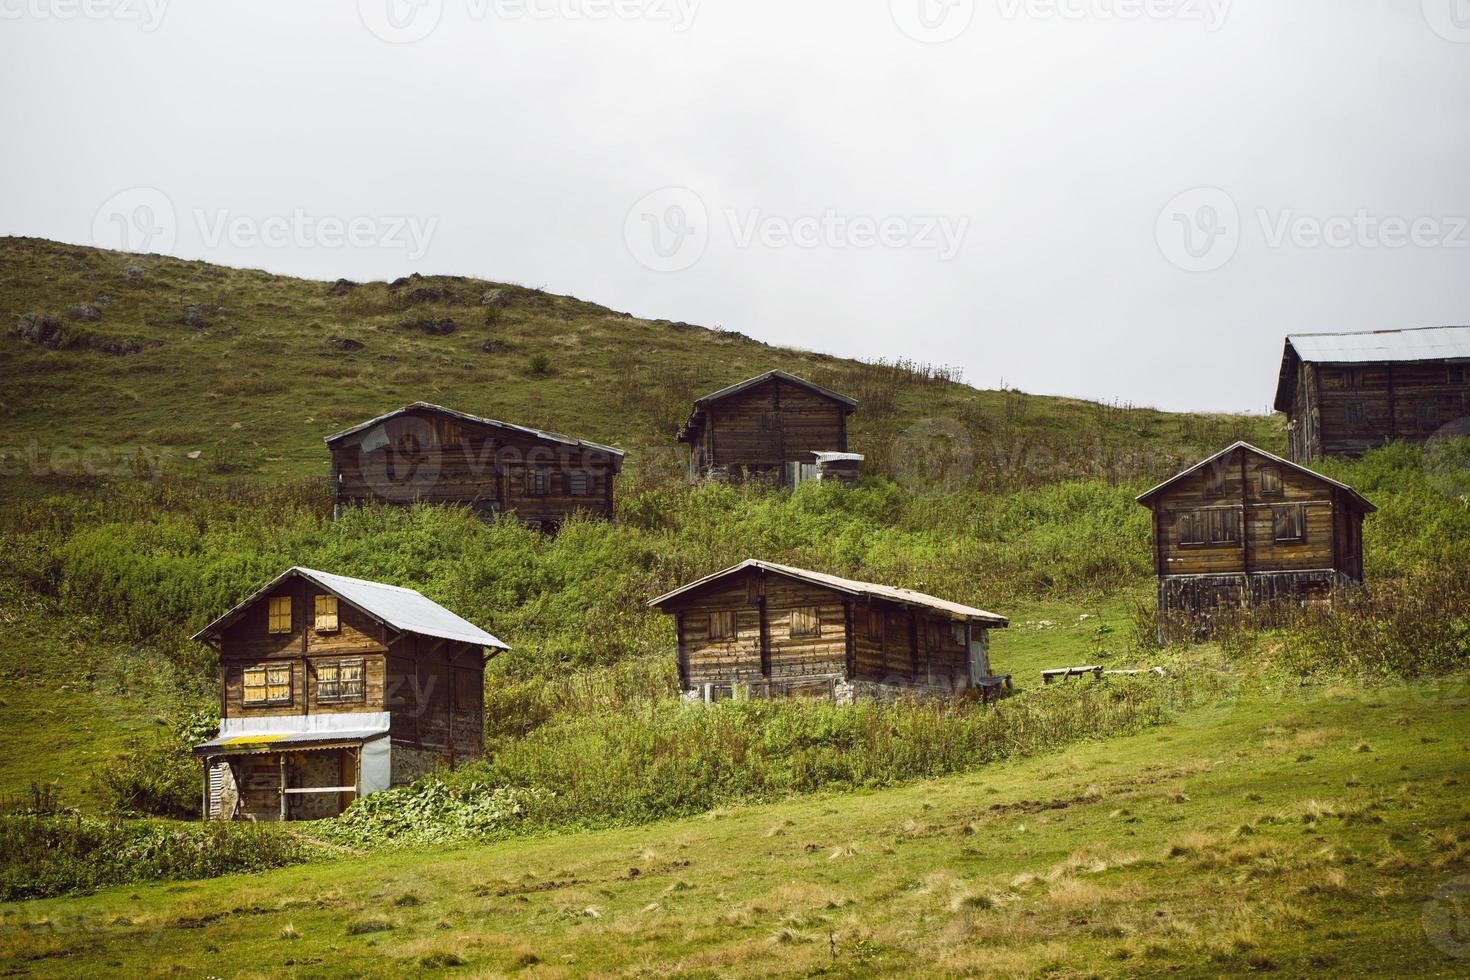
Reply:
x=205, y=813
x=851, y=639
x=765, y=632
x=282, y=757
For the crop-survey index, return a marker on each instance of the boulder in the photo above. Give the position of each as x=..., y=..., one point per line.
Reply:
x=85, y=312
x=39, y=329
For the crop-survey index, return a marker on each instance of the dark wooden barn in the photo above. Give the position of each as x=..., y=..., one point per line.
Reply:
x=1344, y=393
x=334, y=687
x=770, y=428
x=1244, y=528
x=429, y=454
x=761, y=629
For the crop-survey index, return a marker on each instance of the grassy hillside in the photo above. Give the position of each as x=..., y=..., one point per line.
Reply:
x=1288, y=831
x=250, y=370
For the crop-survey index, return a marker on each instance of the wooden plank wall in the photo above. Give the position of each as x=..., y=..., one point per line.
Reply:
x=773, y=423
x=437, y=691
x=1358, y=407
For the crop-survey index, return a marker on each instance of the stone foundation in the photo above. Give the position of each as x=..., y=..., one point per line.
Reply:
x=410, y=763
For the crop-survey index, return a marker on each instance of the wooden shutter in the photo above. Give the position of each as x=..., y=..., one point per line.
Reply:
x=1289, y=522
x=253, y=686
x=805, y=621
x=1270, y=481
x=280, y=614
x=278, y=684
x=722, y=625
x=326, y=614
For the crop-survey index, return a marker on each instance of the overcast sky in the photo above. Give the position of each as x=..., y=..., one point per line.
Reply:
x=1115, y=199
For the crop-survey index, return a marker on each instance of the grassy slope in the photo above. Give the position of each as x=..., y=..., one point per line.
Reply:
x=1299, y=832
x=258, y=385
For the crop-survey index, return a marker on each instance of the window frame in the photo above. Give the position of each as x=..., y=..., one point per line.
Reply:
x=1215, y=477
x=812, y=628
x=1233, y=525
x=722, y=626
x=1355, y=412
x=341, y=693
x=579, y=483
x=1427, y=415
x=273, y=621
x=538, y=481
x=1300, y=510
x=877, y=624
x=1272, y=484
x=1195, y=520
x=333, y=618
x=267, y=684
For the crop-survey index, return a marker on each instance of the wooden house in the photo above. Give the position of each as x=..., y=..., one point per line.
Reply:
x=430, y=454
x=332, y=688
x=1344, y=393
x=766, y=428
x=1245, y=528
x=761, y=629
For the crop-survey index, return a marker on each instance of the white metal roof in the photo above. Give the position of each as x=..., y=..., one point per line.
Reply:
x=1144, y=497
x=906, y=597
x=1419, y=344
x=838, y=457
x=403, y=609
x=541, y=434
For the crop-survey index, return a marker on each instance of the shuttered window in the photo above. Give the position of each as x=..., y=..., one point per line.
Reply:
x=1192, y=528
x=1289, y=522
x=1215, y=480
x=1224, y=526
x=339, y=680
x=579, y=483
x=722, y=625
x=538, y=483
x=268, y=684
x=806, y=622
x=1355, y=412
x=280, y=614
x=326, y=614
x=1270, y=481
x=875, y=625
x=1428, y=415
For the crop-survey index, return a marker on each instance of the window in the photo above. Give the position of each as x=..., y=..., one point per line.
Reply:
x=1289, y=522
x=1270, y=481
x=338, y=681
x=1215, y=480
x=722, y=625
x=280, y=614
x=326, y=614
x=1224, y=526
x=266, y=684
x=1192, y=529
x=806, y=622
x=579, y=483
x=1428, y=415
x=875, y=625
x=1352, y=378
x=1355, y=413
x=957, y=634
x=538, y=483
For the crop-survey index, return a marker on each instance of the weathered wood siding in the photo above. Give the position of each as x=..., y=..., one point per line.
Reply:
x=767, y=425
x=440, y=459
x=437, y=691
x=1346, y=410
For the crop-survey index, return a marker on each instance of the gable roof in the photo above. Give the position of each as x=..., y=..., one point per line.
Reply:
x=1362, y=501
x=403, y=609
x=540, y=434
x=866, y=590
x=849, y=405
x=1370, y=347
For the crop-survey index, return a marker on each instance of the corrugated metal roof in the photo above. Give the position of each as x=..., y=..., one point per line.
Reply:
x=403, y=609
x=769, y=375
x=1144, y=497
x=1419, y=344
x=477, y=420
x=274, y=741
x=838, y=457
x=906, y=597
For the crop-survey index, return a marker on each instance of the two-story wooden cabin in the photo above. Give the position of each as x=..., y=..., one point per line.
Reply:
x=775, y=427
x=762, y=629
x=430, y=454
x=1245, y=527
x=1345, y=393
x=332, y=688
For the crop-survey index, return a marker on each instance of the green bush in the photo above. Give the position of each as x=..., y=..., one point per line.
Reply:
x=159, y=776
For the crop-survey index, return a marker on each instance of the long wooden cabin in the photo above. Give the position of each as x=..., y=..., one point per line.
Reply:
x=332, y=688
x=776, y=428
x=1244, y=528
x=1345, y=393
x=430, y=454
x=761, y=629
